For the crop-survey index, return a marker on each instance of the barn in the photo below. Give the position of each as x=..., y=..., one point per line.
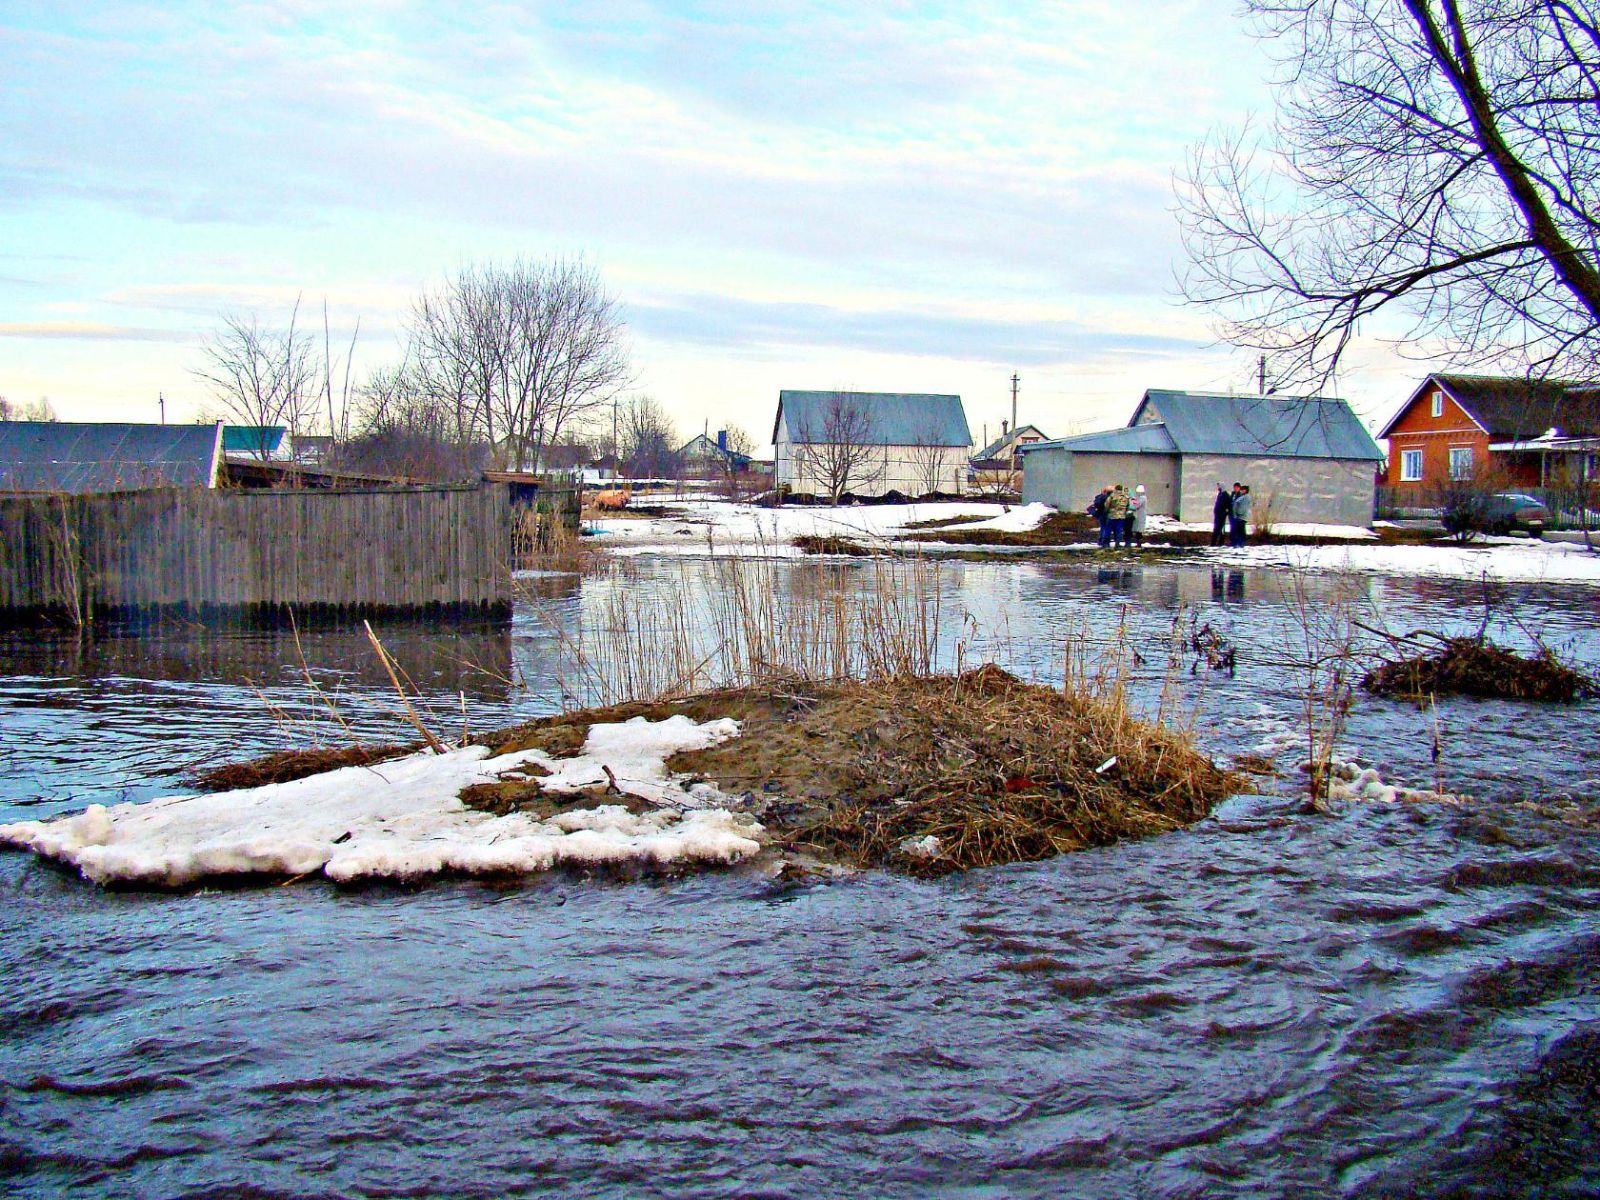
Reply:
x=1306, y=459
x=869, y=443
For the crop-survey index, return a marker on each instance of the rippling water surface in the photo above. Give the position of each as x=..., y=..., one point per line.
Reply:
x=1390, y=1001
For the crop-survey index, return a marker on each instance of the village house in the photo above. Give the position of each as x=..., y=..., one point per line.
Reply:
x=1518, y=432
x=703, y=455
x=1306, y=459
x=80, y=458
x=999, y=464
x=870, y=443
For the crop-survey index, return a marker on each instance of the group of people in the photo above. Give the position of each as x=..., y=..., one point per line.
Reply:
x=1121, y=513
x=1230, y=514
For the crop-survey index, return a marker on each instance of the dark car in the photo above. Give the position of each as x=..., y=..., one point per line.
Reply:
x=1506, y=511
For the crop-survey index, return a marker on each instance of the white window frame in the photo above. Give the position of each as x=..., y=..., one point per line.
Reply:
x=1438, y=404
x=1471, y=462
x=1406, y=474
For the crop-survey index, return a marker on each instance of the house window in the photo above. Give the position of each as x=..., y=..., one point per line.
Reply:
x=1460, y=462
x=1438, y=404
x=1410, y=466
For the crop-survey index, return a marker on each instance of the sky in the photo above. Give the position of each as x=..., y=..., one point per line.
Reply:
x=915, y=197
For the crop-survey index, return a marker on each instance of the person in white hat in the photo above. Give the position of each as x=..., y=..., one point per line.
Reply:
x=1137, y=514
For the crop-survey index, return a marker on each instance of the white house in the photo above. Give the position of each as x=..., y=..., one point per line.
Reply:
x=870, y=443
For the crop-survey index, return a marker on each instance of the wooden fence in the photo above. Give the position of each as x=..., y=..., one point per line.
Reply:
x=255, y=555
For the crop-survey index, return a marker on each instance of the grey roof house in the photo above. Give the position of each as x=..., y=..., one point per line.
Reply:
x=908, y=442
x=84, y=457
x=1306, y=458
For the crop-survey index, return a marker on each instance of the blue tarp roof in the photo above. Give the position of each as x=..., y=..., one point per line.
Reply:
x=894, y=418
x=251, y=439
x=81, y=457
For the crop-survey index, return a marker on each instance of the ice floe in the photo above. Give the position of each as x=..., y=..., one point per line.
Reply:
x=403, y=819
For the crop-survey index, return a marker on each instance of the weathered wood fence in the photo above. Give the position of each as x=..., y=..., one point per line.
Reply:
x=255, y=555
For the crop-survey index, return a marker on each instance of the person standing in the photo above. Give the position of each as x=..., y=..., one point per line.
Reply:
x=1221, y=513
x=1239, y=522
x=1097, y=510
x=1138, y=513
x=1117, y=515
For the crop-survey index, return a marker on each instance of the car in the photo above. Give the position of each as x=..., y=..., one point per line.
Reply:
x=1504, y=512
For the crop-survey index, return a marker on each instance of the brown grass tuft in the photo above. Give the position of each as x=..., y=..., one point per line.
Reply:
x=286, y=765
x=1475, y=666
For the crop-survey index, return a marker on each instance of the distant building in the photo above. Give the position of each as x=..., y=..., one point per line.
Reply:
x=86, y=457
x=1305, y=458
x=1526, y=434
x=999, y=464
x=911, y=443
x=701, y=455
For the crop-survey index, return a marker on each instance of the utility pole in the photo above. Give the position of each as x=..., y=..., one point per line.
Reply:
x=1261, y=375
x=161, y=399
x=1015, y=380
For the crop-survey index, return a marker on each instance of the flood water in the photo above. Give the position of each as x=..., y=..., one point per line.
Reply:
x=1388, y=1001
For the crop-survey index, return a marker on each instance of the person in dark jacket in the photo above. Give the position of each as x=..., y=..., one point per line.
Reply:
x=1097, y=510
x=1221, y=512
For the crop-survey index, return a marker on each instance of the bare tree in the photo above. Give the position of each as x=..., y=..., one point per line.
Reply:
x=1433, y=158
x=262, y=377
x=929, y=459
x=517, y=355
x=837, y=448
x=648, y=439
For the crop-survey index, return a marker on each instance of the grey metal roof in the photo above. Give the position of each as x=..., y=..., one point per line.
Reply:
x=1259, y=426
x=62, y=456
x=1135, y=439
x=895, y=418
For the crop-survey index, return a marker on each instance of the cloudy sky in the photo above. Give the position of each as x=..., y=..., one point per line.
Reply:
x=896, y=197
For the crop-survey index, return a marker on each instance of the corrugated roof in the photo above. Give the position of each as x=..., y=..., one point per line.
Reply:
x=1259, y=426
x=1135, y=439
x=62, y=456
x=894, y=418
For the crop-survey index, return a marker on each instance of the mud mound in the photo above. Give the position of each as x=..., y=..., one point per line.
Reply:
x=1472, y=666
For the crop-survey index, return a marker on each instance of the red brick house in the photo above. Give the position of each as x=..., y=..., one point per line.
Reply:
x=1527, y=433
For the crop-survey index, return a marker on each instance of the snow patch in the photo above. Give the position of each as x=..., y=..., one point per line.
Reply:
x=403, y=819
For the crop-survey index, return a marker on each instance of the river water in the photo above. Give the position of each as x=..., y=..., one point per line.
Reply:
x=1386, y=1001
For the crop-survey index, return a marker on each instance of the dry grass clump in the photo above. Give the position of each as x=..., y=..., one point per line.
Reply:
x=286, y=765
x=1475, y=666
x=810, y=543
x=992, y=769
x=1055, y=530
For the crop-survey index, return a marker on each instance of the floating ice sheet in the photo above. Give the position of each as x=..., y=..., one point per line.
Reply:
x=402, y=819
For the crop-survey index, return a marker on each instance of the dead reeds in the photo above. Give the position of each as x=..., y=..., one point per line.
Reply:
x=735, y=622
x=1475, y=666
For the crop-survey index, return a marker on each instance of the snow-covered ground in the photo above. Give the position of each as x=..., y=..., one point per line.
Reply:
x=1509, y=560
x=722, y=527
x=404, y=818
